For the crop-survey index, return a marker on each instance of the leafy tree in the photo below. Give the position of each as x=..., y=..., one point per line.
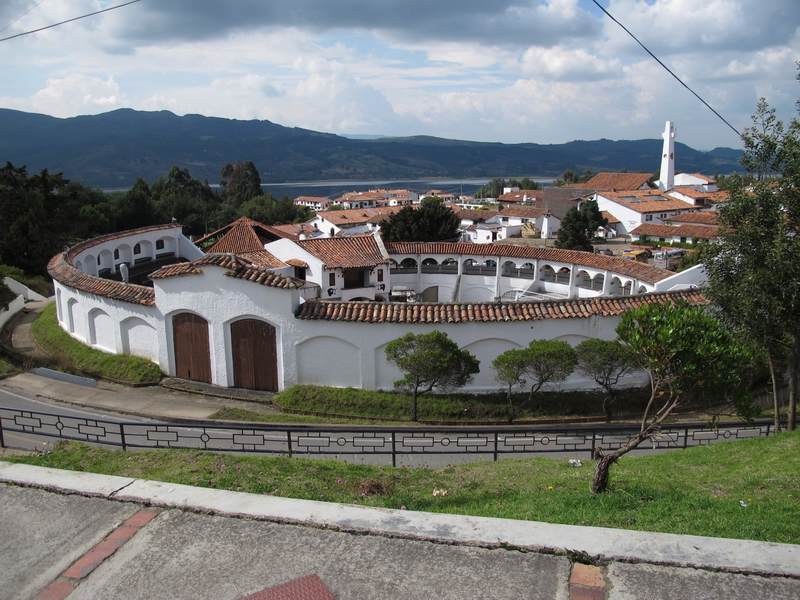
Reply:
x=189, y=201
x=578, y=227
x=265, y=209
x=134, y=208
x=241, y=182
x=606, y=362
x=543, y=361
x=40, y=216
x=430, y=360
x=688, y=356
x=753, y=269
x=493, y=189
x=431, y=222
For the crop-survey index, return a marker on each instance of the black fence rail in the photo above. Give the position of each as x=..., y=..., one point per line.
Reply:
x=362, y=441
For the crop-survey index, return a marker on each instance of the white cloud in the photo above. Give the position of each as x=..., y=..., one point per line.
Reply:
x=78, y=94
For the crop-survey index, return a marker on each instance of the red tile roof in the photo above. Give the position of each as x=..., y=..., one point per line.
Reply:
x=715, y=197
x=475, y=214
x=641, y=271
x=85, y=245
x=703, y=217
x=358, y=215
x=243, y=235
x=472, y=312
x=527, y=212
x=61, y=269
x=237, y=266
x=345, y=253
x=614, y=181
x=646, y=201
x=521, y=196
x=703, y=232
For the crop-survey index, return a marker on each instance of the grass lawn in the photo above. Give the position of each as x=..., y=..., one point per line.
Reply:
x=748, y=489
x=59, y=344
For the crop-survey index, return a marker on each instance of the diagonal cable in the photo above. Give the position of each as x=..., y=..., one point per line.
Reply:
x=678, y=79
x=68, y=21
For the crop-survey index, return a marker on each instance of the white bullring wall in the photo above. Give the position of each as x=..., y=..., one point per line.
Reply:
x=318, y=351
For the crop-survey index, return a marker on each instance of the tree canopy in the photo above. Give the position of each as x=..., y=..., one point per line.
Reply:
x=433, y=221
x=753, y=269
x=578, y=227
x=430, y=360
x=606, y=362
x=543, y=362
x=688, y=356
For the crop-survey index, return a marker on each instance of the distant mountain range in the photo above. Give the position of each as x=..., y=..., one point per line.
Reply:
x=113, y=149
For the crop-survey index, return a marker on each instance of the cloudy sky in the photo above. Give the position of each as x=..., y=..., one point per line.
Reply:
x=545, y=71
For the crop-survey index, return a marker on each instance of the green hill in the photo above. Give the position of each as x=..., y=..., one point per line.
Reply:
x=113, y=149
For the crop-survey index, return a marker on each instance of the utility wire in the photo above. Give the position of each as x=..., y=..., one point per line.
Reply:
x=22, y=15
x=68, y=20
x=608, y=14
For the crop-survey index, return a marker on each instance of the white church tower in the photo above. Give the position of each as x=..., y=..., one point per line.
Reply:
x=667, y=177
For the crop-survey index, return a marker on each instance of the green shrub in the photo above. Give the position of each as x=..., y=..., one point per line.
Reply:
x=132, y=370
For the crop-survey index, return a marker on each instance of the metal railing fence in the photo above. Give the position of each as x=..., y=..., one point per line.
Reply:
x=344, y=440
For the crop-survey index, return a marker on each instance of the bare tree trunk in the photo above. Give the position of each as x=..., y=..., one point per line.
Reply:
x=794, y=356
x=776, y=402
x=602, y=466
x=607, y=402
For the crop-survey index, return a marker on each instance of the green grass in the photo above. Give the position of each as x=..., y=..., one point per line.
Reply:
x=454, y=407
x=238, y=414
x=59, y=344
x=696, y=491
x=7, y=369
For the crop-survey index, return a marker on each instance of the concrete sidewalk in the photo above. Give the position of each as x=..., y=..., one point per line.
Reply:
x=122, y=538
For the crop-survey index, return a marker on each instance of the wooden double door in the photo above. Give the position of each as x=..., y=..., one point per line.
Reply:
x=255, y=355
x=253, y=349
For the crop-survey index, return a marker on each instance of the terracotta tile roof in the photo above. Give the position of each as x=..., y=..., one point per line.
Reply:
x=263, y=259
x=630, y=268
x=703, y=217
x=614, y=181
x=472, y=312
x=475, y=214
x=521, y=196
x=296, y=262
x=358, y=215
x=81, y=246
x=646, y=201
x=293, y=231
x=611, y=218
x=704, y=232
x=715, y=197
x=243, y=235
x=527, y=212
x=238, y=267
x=345, y=253
x=62, y=269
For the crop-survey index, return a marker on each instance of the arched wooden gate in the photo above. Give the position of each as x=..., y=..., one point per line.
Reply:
x=192, y=352
x=255, y=355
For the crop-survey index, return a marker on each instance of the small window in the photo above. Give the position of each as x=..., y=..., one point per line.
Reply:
x=332, y=280
x=380, y=275
x=648, y=217
x=159, y=244
x=116, y=254
x=137, y=249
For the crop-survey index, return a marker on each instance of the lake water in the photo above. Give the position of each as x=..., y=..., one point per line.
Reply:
x=334, y=189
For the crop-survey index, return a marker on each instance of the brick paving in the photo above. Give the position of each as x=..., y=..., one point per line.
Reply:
x=81, y=568
x=586, y=582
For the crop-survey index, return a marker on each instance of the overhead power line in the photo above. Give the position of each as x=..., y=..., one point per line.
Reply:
x=22, y=15
x=678, y=79
x=68, y=20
